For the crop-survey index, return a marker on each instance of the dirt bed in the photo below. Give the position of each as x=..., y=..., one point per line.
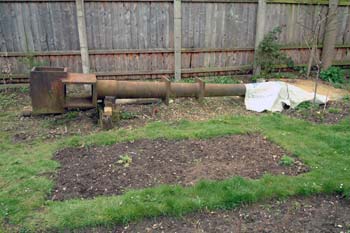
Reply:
x=332, y=113
x=88, y=172
x=311, y=214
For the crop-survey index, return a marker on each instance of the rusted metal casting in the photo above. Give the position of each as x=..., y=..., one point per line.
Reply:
x=48, y=90
x=138, y=89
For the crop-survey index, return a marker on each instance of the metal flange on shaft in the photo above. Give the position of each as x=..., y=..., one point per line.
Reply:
x=49, y=94
x=166, y=89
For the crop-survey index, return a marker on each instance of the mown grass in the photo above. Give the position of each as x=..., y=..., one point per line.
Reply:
x=24, y=186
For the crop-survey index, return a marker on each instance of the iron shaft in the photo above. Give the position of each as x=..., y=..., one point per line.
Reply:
x=139, y=89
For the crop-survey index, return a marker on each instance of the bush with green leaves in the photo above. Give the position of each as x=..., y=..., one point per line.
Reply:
x=269, y=54
x=333, y=75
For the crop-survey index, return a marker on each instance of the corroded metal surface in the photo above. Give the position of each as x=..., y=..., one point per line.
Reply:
x=46, y=89
x=139, y=89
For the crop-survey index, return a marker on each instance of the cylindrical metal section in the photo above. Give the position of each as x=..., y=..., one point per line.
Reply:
x=212, y=90
x=184, y=89
x=129, y=89
x=138, y=89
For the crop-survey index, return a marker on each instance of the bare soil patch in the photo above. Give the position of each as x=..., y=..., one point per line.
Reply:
x=299, y=214
x=88, y=172
x=332, y=113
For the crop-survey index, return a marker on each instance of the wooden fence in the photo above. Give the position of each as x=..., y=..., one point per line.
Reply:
x=133, y=38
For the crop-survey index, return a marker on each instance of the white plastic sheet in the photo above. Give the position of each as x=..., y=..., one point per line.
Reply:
x=272, y=96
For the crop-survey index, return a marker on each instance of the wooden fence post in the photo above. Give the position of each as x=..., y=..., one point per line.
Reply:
x=259, y=32
x=330, y=35
x=177, y=38
x=82, y=36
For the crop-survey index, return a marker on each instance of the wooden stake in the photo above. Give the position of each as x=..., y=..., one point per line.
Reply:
x=177, y=38
x=82, y=36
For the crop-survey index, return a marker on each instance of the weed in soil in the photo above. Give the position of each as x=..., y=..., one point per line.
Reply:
x=286, y=161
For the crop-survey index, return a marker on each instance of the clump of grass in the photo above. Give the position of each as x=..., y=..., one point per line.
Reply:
x=6, y=100
x=286, y=161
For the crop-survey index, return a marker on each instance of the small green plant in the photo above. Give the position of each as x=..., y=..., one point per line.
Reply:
x=346, y=97
x=333, y=75
x=286, y=161
x=127, y=115
x=334, y=110
x=125, y=160
x=24, y=89
x=302, y=70
x=72, y=115
x=304, y=106
x=222, y=80
x=31, y=61
x=269, y=54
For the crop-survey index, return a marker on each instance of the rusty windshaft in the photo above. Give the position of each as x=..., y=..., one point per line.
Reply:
x=165, y=89
x=48, y=90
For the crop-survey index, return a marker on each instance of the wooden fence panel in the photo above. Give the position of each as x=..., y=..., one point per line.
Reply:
x=129, y=25
x=343, y=29
x=39, y=26
x=218, y=25
x=214, y=34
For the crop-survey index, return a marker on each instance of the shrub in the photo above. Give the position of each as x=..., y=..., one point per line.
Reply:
x=269, y=54
x=333, y=75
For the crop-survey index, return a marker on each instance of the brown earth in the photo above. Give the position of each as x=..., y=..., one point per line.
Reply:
x=298, y=214
x=88, y=172
x=332, y=113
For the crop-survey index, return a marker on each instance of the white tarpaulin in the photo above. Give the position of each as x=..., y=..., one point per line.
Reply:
x=272, y=96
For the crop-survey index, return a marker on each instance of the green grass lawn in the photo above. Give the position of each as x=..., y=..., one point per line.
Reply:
x=24, y=185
